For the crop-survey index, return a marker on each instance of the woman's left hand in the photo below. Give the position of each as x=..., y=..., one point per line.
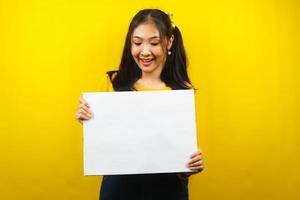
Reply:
x=195, y=164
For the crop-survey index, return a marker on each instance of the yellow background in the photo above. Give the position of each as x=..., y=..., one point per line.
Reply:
x=243, y=56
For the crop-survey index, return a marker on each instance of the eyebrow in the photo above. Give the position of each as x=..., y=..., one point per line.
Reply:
x=154, y=37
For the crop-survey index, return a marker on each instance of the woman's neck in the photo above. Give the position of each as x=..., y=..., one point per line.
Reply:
x=148, y=81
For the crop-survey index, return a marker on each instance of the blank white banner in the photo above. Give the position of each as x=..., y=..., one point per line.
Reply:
x=139, y=132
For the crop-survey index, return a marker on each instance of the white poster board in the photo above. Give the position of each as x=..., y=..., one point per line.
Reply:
x=139, y=132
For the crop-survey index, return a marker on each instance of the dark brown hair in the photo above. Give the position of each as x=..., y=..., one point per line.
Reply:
x=174, y=73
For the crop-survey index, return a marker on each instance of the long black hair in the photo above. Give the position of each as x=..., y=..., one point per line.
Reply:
x=174, y=73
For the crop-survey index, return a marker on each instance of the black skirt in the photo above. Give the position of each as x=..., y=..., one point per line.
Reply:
x=144, y=187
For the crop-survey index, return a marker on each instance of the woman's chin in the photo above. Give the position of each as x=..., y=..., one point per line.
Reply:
x=146, y=69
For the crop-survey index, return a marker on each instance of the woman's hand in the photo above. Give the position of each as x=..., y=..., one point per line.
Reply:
x=195, y=164
x=84, y=112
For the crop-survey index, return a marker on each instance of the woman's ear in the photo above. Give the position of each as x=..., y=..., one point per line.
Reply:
x=170, y=42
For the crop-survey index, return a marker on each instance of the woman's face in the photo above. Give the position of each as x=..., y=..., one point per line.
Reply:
x=148, y=49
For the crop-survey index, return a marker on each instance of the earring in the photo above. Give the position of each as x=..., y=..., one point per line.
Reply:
x=169, y=52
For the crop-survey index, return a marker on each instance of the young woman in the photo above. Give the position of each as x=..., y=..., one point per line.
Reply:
x=153, y=59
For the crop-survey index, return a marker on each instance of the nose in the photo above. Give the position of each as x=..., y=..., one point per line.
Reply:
x=145, y=51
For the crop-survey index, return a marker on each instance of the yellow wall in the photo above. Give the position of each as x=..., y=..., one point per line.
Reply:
x=244, y=58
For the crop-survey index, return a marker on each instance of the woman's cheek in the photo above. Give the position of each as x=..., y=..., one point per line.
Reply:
x=135, y=53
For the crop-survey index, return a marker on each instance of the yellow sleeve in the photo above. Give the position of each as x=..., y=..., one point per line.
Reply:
x=105, y=84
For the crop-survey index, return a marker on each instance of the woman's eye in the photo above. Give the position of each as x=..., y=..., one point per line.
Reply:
x=137, y=43
x=154, y=44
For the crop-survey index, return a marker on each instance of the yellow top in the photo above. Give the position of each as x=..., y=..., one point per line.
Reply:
x=138, y=88
x=106, y=86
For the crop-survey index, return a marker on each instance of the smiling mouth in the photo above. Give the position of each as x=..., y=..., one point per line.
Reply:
x=146, y=62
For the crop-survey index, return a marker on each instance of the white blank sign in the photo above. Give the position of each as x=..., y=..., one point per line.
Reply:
x=139, y=132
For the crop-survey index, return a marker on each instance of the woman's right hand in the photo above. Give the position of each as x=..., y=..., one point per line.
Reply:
x=83, y=112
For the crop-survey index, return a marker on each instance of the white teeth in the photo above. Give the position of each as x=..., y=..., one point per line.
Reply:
x=146, y=60
x=149, y=59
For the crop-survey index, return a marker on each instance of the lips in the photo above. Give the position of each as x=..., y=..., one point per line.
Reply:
x=146, y=62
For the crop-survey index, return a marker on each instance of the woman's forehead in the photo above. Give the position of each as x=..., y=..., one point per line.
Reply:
x=146, y=30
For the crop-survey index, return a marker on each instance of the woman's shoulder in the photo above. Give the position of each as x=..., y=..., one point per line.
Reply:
x=111, y=74
x=106, y=81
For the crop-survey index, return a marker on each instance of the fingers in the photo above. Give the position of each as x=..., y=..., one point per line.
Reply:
x=196, y=154
x=82, y=115
x=84, y=112
x=195, y=157
x=196, y=163
x=198, y=168
x=84, y=102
